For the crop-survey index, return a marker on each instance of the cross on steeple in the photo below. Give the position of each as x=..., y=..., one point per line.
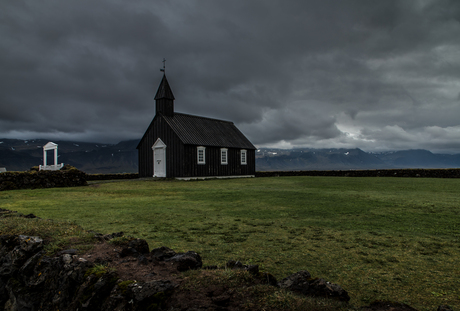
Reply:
x=164, y=66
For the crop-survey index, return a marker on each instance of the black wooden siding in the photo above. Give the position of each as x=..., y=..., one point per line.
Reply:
x=165, y=106
x=213, y=166
x=159, y=129
x=182, y=160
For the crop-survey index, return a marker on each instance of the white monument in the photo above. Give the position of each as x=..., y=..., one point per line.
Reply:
x=2, y=169
x=55, y=167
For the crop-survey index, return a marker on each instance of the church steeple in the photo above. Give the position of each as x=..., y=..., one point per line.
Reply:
x=164, y=99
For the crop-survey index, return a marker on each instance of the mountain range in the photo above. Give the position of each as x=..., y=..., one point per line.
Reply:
x=20, y=155
x=350, y=159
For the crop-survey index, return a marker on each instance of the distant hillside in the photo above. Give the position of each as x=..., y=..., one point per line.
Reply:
x=350, y=159
x=315, y=159
x=20, y=155
x=420, y=159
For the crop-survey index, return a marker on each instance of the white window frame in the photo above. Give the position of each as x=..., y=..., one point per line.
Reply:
x=198, y=151
x=223, y=156
x=244, y=157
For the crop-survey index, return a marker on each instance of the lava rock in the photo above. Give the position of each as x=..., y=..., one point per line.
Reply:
x=298, y=282
x=232, y=264
x=142, y=260
x=148, y=293
x=162, y=253
x=187, y=261
x=325, y=289
x=268, y=278
x=302, y=283
x=135, y=248
x=129, y=251
x=140, y=245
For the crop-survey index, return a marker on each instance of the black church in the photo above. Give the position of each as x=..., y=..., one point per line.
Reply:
x=178, y=145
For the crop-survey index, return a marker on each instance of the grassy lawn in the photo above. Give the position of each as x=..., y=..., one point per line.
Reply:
x=379, y=238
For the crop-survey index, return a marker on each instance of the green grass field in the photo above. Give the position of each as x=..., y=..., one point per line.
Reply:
x=379, y=238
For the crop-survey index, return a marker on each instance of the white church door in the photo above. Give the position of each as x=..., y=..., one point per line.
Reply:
x=159, y=158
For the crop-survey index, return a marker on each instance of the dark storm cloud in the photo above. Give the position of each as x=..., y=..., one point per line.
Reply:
x=371, y=74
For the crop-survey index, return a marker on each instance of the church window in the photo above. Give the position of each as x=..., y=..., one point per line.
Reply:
x=223, y=156
x=244, y=157
x=201, y=155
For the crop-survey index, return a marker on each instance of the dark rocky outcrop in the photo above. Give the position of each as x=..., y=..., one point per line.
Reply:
x=30, y=280
x=136, y=248
x=186, y=261
x=162, y=253
x=302, y=283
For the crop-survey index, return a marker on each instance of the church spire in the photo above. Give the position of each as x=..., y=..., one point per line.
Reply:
x=164, y=90
x=164, y=99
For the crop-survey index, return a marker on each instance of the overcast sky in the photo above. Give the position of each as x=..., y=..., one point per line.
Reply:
x=376, y=75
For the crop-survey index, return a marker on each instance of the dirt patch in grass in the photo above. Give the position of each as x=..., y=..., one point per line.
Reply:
x=131, y=268
x=204, y=289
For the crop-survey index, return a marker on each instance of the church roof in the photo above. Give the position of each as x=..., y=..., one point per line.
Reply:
x=164, y=90
x=201, y=131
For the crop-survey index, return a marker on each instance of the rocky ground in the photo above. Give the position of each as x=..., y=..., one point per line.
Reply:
x=122, y=273
x=126, y=275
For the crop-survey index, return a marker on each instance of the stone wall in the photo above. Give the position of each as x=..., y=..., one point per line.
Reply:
x=42, y=179
x=426, y=173
x=112, y=176
x=73, y=177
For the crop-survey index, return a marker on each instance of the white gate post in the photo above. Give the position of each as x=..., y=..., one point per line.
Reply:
x=44, y=157
x=55, y=157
